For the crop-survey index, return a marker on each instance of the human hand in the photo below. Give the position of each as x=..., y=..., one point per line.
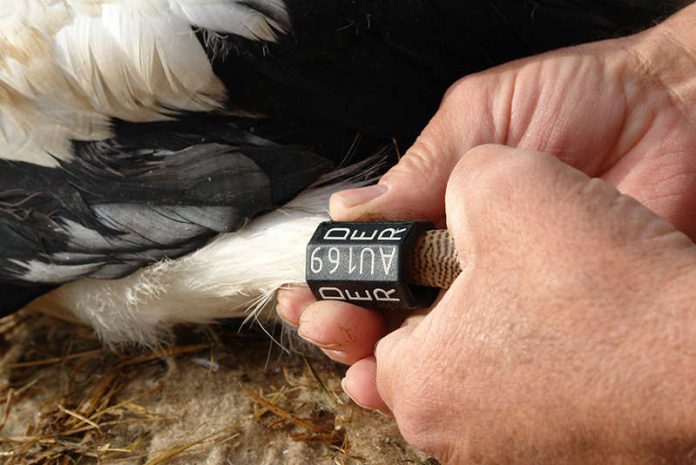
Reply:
x=623, y=110
x=568, y=337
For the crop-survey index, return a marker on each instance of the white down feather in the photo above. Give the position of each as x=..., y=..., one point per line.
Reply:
x=236, y=275
x=68, y=66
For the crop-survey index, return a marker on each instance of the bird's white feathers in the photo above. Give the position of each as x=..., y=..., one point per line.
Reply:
x=230, y=277
x=242, y=19
x=68, y=66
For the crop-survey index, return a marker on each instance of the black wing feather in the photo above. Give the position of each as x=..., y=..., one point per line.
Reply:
x=118, y=205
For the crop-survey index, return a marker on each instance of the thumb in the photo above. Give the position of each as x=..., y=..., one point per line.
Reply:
x=415, y=187
x=526, y=208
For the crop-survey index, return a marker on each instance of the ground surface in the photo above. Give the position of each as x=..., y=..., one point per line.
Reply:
x=217, y=396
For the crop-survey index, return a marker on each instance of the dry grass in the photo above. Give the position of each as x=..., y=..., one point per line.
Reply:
x=213, y=397
x=79, y=423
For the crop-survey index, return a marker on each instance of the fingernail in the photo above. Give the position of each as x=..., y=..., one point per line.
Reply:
x=334, y=354
x=344, y=387
x=281, y=313
x=354, y=197
x=282, y=308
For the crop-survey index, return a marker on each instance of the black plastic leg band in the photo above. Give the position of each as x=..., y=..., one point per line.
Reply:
x=365, y=264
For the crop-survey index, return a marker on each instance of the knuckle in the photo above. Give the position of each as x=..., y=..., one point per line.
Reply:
x=480, y=173
x=417, y=417
x=461, y=91
x=473, y=94
x=455, y=92
x=416, y=398
x=414, y=432
x=494, y=171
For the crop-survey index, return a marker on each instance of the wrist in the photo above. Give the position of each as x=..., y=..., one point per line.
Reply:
x=667, y=54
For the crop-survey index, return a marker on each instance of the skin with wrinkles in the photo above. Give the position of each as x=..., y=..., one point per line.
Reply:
x=572, y=317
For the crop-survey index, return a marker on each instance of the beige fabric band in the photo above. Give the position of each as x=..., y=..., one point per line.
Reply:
x=435, y=261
